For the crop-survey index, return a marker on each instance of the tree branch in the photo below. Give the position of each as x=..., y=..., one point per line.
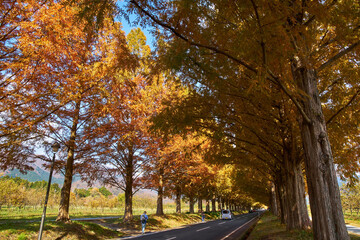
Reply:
x=277, y=81
x=262, y=43
x=216, y=50
x=342, y=108
x=337, y=56
x=174, y=31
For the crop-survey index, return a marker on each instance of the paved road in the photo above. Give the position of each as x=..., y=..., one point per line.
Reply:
x=353, y=229
x=212, y=230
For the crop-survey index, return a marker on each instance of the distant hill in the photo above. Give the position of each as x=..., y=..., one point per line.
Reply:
x=37, y=175
x=40, y=174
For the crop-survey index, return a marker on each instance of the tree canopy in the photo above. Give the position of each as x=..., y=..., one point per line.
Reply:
x=265, y=92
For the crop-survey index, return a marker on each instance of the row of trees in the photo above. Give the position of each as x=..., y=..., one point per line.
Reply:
x=270, y=80
x=350, y=198
x=95, y=93
x=20, y=193
x=257, y=89
x=16, y=192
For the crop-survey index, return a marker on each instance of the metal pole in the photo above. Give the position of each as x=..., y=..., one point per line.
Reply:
x=46, y=198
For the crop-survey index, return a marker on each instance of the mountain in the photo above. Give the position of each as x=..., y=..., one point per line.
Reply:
x=40, y=173
x=37, y=175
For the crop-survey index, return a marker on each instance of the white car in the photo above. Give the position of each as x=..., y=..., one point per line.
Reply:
x=226, y=214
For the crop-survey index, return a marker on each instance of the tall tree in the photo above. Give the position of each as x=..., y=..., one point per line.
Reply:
x=125, y=139
x=128, y=145
x=16, y=148
x=66, y=71
x=305, y=46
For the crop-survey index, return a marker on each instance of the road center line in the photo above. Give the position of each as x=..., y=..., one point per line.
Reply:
x=171, y=238
x=237, y=229
x=201, y=229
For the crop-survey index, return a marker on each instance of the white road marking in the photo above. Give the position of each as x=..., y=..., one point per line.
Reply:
x=171, y=238
x=201, y=229
x=236, y=229
x=222, y=223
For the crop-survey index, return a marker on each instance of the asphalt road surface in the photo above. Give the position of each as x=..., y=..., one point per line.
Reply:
x=212, y=230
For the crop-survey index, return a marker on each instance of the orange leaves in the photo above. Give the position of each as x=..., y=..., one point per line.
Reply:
x=59, y=66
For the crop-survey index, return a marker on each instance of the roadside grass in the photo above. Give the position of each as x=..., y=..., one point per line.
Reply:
x=270, y=228
x=23, y=229
x=75, y=230
x=30, y=213
x=352, y=219
x=34, y=214
x=157, y=223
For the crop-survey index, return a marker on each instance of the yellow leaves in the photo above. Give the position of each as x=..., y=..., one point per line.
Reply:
x=137, y=43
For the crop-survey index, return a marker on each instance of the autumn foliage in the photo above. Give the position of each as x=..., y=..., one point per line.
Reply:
x=238, y=103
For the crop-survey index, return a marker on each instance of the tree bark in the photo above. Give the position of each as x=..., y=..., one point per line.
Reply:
x=295, y=205
x=277, y=201
x=274, y=204
x=63, y=214
x=324, y=194
x=207, y=209
x=129, y=169
x=160, y=205
x=280, y=197
x=213, y=204
x=200, y=205
x=178, y=199
x=191, y=204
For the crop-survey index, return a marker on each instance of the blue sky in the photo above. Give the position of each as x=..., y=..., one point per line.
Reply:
x=128, y=26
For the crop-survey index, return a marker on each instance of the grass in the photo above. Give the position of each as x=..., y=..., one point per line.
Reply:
x=30, y=213
x=55, y=230
x=270, y=228
x=34, y=214
x=25, y=227
x=156, y=223
x=353, y=219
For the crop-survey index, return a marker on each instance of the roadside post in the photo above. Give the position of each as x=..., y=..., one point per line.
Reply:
x=55, y=147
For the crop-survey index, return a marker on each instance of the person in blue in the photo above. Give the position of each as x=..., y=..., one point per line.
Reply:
x=143, y=219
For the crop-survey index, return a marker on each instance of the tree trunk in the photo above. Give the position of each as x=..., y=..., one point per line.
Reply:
x=128, y=214
x=207, y=206
x=278, y=203
x=160, y=206
x=178, y=199
x=324, y=194
x=63, y=215
x=200, y=205
x=280, y=197
x=220, y=203
x=274, y=204
x=213, y=204
x=191, y=204
x=295, y=205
